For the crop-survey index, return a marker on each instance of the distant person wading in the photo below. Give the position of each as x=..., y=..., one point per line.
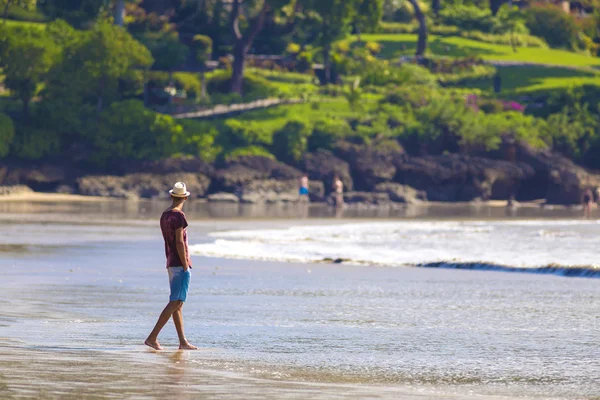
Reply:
x=173, y=225
x=338, y=189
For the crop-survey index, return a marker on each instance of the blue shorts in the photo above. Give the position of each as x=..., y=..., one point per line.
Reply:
x=303, y=191
x=179, y=280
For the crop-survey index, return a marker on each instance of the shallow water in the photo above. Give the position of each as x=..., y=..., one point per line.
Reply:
x=78, y=300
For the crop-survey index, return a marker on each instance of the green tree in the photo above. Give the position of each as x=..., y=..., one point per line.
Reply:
x=255, y=13
x=510, y=20
x=335, y=20
x=26, y=56
x=7, y=134
x=129, y=130
x=168, y=52
x=202, y=46
x=291, y=141
x=107, y=53
x=7, y=4
x=77, y=13
x=368, y=16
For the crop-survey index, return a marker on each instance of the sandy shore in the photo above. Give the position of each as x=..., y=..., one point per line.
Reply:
x=52, y=197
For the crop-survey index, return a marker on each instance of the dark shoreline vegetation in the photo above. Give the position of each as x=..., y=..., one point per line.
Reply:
x=499, y=103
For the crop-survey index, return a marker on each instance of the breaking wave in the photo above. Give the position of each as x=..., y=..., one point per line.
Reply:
x=565, y=248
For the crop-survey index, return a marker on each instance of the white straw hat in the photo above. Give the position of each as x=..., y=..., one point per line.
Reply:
x=179, y=190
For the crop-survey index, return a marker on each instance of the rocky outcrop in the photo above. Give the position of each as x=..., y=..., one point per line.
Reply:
x=44, y=177
x=223, y=198
x=323, y=166
x=366, y=198
x=401, y=193
x=14, y=190
x=256, y=179
x=246, y=169
x=371, y=165
x=557, y=179
x=270, y=191
x=141, y=185
x=462, y=178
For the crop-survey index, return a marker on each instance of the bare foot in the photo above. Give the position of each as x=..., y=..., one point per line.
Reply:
x=187, y=346
x=155, y=345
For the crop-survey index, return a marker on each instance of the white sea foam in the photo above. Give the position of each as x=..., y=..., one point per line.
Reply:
x=510, y=243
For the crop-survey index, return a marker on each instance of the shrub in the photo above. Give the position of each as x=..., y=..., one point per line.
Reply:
x=304, y=61
x=327, y=132
x=410, y=95
x=254, y=87
x=202, y=46
x=380, y=73
x=291, y=141
x=373, y=47
x=186, y=81
x=293, y=49
x=33, y=143
x=552, y=24
x=7, y=134
x=241, y=133
x=198, y=139
x=468, y=17
x=476, y=73
x=406, y=12
x=129, y=130
x=248, y=151
x=573, y=130
x=519, y=39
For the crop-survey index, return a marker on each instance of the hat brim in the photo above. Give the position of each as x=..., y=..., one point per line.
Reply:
x=186, y=194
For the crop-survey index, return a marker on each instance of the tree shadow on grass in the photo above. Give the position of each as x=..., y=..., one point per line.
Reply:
x=436, y=45
x=516, y=79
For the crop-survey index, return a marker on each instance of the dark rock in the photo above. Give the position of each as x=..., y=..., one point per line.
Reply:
x=323, y=166
x=252, y=198
x=239, y=173
x=271, y=190
x=401, y=193
x=371, y=165
x=366, y=198
x=557, y=179
x=316, y=191
x=456, y=177
x=40, y=178
x=223, y=198
x=141, y=185
x=14, y=190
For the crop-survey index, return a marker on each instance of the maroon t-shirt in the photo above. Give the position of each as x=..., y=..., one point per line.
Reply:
x=170, y=221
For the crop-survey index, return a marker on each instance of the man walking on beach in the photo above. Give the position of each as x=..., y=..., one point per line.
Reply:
x=174, y=230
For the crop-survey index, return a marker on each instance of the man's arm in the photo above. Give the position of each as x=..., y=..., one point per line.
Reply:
x=181, y=248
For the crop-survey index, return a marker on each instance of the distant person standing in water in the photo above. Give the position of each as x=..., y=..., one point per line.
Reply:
x=588, y=198
x=304, y=188
x=338, y=188
x=174, y=230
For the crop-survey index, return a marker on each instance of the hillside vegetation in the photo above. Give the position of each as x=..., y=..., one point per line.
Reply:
x=108, y=82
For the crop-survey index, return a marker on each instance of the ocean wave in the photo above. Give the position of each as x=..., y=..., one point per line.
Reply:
x=580, y=271
x=565, y=248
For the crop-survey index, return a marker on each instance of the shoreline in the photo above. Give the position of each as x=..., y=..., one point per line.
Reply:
x=46, y=197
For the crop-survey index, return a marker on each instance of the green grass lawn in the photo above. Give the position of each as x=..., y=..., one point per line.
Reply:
x=405, y=44
x=274, y=118
x=10, y=22
x=529, y=79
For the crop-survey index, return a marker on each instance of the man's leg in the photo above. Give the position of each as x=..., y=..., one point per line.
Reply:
x=162, y=320
x=178, y=321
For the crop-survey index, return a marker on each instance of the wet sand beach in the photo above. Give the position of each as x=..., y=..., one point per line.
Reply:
x=82, y=284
